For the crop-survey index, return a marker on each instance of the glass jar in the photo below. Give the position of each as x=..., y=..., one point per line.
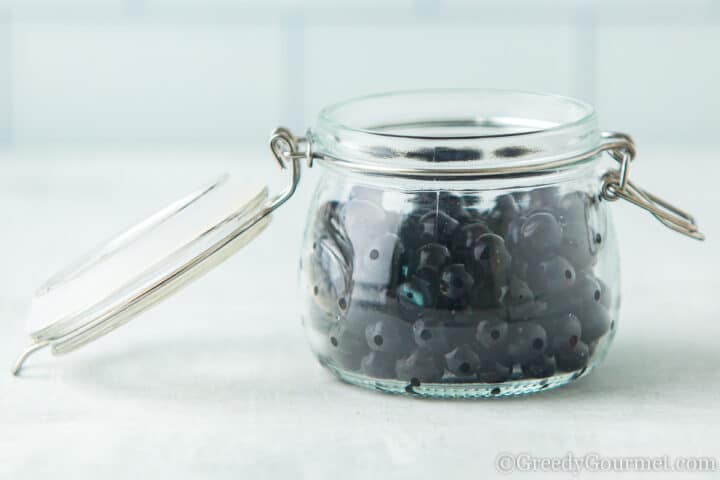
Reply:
x=459, y=244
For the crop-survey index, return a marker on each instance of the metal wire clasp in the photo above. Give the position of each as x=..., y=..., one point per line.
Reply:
x=616, y=184
x=286, y=148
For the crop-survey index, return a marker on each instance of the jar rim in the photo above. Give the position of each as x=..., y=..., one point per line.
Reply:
x=330, y=115
x=465, y=131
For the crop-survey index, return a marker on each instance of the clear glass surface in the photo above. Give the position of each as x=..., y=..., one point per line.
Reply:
x=462, y=288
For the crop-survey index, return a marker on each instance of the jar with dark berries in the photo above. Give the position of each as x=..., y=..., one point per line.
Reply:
x=460, y=244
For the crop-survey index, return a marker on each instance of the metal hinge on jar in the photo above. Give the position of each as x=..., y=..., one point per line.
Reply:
x=616, y=184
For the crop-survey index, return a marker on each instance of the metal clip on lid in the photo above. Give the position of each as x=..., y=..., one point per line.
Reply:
x=616, y=184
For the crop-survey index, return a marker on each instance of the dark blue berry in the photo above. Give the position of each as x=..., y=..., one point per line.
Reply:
x=432, y=255
x=587, y=290
x=512, y=235
x=432, y=337
x=542, y=366
x=492, y=334
x=389, y=336
x=540, y=236
x=526, y=311
x=563, y=331
x=462, y=361
x=414, y=296
x=526, y=340
x=503, y=212
x=437, y=226
x=379, y=364
x=490, y=371
x=518, y=292
x=456, y=284
x=520, y=301
x=346, y=347
x=606, y=294
x=491, y=260
x=410, y=230
x=595, y=321
x=577, y=245
x=551, y=276
x=465, y=237
x=571, y=359
x=491, y=270
x=420, y=366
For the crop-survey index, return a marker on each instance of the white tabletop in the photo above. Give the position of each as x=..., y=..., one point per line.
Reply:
x=219, y=382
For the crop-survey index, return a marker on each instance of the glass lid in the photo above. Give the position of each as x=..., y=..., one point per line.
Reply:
x=141, y=266
x=132, y=271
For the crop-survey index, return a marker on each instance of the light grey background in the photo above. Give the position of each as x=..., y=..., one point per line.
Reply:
x=110, y=109
x=222, y=72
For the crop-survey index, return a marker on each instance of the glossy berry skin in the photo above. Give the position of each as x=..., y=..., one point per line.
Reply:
x=526, y=341
x=512, y=235
x=542, y=366
x=595, y=321
x=433, y=338
x=518, y=293
x=462, y=361
x=493, y=334
x=576, y=245
x=491, y=260
x=503, y=212
x=414, y=296
x=410, y=229
x=550, y=277
x=571, y=359
x=491, y=270
x=433, y=256
x=490, y=371
x=540, y=236
x=346, y=347
x=519, y=300
x=379, y=364
x=437, y=226
x=588, y=290
x=421, y=366
x=389, y=336
x=464, y=240
x=456, y=284
x=563, y=331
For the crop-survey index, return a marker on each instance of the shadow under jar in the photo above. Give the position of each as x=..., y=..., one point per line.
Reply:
x=460, y=244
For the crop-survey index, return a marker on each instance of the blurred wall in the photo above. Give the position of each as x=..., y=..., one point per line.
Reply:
x=224, y=72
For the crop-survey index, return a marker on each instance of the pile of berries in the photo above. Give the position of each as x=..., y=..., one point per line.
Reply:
x=454, y=291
